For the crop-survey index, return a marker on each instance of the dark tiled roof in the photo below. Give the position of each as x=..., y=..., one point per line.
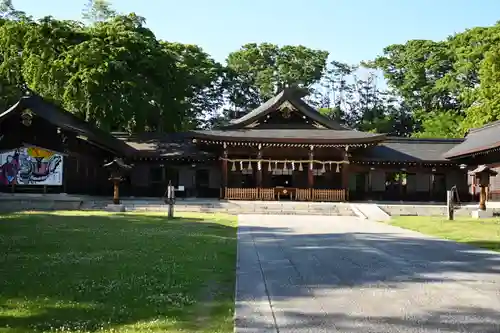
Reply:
x=166, y=145
x=179, y=145
x=409, y=150
x=67, y=121
x=292, y=95
x=477, y=140
x=283, y=135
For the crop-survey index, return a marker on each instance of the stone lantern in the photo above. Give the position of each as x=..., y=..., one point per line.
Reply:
x=118, y=169
x=482, y=175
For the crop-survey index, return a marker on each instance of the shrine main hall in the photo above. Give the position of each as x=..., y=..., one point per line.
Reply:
x=283, y=150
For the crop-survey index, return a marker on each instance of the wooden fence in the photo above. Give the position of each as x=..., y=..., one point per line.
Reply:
x=241, y=193
x=327, y=195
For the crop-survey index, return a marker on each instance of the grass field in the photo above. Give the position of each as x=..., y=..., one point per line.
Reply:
x=481, y=233
x=103, y=272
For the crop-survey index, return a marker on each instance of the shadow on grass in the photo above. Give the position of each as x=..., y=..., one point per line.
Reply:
x=130, y=272
x=489, y=245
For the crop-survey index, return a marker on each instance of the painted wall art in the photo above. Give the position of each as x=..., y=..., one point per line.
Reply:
x=31, y=166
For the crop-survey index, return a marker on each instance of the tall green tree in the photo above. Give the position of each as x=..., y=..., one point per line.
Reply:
x=486, y=106
x=256, y=72
x=98, y=11
x=8, y=11
x=418, y=72
x=113, y=73
x=447, y=84
x=351, y=95
x=201, y=80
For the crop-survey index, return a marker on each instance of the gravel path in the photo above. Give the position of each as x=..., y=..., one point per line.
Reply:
x=342, y=274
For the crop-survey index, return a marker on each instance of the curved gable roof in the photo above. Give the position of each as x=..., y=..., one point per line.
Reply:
x=477, y=140
x=292, y=95
x=65, y=120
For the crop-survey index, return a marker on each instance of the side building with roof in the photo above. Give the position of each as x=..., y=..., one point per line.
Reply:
x=283, y=150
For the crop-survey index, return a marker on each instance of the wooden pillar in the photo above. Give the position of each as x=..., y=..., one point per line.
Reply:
x=473, y=188
x=116, y=191
x=224, y=172
x=259, y=168
x=310, y=174
x=482, y=197
x=345, y=173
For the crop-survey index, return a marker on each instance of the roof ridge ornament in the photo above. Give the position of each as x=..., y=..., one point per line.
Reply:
x=287, y=105
x=286, y=109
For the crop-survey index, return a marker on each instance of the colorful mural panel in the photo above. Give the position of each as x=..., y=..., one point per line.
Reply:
x=31, y=166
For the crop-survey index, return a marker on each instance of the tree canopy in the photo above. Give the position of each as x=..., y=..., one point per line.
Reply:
x=112, y=71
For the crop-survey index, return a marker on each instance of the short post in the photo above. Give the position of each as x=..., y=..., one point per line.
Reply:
x=170, y=200
x=449, y=205
x=116, y=191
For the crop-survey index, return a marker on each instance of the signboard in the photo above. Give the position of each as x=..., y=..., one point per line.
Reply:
x=31, y=166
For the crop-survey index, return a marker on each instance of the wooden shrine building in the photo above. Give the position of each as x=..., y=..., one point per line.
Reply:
x=481, y=146
x=287, y=149
x=47, y=149
x=283, y=150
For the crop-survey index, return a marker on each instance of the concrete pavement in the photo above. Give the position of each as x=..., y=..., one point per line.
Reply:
x=344, y=274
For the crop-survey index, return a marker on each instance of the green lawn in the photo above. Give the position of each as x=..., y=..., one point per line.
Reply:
x=103, y=272
x=481, y=233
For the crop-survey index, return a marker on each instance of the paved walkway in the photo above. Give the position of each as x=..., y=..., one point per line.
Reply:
x=343, y=274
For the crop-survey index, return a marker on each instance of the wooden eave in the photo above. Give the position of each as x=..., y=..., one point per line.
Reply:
x=299, y=143
x=70, y=123
x=405, y=163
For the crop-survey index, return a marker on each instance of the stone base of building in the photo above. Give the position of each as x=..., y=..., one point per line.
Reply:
x=115, y=208
x=482, y=214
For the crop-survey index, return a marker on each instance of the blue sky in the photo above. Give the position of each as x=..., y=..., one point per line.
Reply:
x=351, y=30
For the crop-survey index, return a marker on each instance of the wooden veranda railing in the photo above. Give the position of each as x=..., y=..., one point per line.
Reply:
x=326, y=195
x=241, y=193
x=303, y=194
x=266, y=194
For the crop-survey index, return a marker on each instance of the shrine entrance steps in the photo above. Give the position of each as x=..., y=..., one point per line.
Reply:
x=378, y=211
x=242, y=207
x=370, y=211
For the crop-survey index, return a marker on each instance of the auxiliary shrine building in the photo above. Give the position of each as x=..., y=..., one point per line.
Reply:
x=283, y=150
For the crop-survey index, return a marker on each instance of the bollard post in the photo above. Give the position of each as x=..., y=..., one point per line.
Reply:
x=449, y=205
x=170, y=200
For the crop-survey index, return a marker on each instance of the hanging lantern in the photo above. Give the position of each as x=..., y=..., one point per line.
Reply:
x=338, y=168
x=300, y=167
x=249, y=165
x=269, y=167
x=233, y=168
x=323, y=170
x=241, y=165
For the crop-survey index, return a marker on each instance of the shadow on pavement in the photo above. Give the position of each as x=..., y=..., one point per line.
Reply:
x=366, y=281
